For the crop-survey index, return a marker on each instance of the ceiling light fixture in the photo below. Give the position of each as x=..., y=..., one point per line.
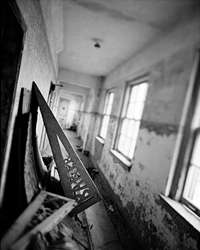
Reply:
x=97, y=42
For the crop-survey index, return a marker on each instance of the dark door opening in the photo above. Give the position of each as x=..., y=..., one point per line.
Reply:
x=11, y=45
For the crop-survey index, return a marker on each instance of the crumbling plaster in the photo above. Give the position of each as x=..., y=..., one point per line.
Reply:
x=168, y=64
x=36, y=64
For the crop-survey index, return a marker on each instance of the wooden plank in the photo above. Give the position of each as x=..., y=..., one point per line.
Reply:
x=20, y=224
x=18, y=227
x=84, y=205
x=62, y=171
x=26, y=101
x=58, y=196
x=45, y=226
x=55, y=133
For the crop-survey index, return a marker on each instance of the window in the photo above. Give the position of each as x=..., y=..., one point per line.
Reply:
x=191, y=192
x=130, y=119
x=191, y=188
x=106, y=114
x=183, y=187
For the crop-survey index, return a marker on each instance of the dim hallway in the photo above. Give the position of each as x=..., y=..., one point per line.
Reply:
x=106, y=225
x=104, y=234
x=120, y=78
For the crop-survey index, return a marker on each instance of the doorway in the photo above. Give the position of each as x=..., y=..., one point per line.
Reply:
x=63, y=109
x=11, y=46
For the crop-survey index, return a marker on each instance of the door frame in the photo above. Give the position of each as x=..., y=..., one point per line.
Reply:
x=11, y=119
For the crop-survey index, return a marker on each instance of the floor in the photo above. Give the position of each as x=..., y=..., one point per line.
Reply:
x=102, y=232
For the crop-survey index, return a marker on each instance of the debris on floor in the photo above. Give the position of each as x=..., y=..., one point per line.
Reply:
x=46, y=224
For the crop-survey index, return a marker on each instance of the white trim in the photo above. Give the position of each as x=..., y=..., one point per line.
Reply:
x=101, y=140
x=182, y=123
x=184, y=211
x=121, y=157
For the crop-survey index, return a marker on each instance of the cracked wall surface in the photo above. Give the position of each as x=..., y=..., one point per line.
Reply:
x=36, y=65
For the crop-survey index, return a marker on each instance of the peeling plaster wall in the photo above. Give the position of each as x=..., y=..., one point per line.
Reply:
x=168, y=63
x=36, y=64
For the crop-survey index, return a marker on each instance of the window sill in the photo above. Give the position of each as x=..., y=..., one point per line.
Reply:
x=101, y=140
x=185, y=212
x=122, y=159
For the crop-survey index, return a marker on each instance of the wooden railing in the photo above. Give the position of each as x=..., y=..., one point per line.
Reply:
x=74, y=178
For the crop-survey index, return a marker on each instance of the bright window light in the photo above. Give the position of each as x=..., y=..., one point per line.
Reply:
x=192, y=185
x=106, y=114
x=131, y=118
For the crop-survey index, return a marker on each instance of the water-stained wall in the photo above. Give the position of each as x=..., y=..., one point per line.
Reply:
x=36, y=65
x=137, y=190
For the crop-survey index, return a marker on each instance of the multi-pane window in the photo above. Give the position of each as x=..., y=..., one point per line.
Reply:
x=191, y=193
x=191, y=190
x=106, y=114
x=130, y=119
x=184, y=178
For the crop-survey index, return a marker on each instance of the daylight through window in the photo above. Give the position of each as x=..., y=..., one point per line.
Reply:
x=131, y=118
x=106, y=114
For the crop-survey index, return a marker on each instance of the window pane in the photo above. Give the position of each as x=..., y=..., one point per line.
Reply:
x=121, y=143
x=196, y=152
x=130, y=128
x=106, y=112
x=109, y=104
x=124, y=127
x=136, y=102
x=134, y=139
x=134, y=93
x=130, y=110
x=124, y=144
x=142, y=92
x=139, y=106
x=192, y=186
x=128, y=144
x=133, y=113
x=131, y=102
x=104, y=126
x=127, y=139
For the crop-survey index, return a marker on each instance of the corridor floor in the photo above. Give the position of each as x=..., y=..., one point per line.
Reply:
x=107, y=227
x=103, y=234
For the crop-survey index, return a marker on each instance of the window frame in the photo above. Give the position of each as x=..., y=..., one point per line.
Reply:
x=184, y=200
x=105, y=113
x=183, y=150
x=123, y=115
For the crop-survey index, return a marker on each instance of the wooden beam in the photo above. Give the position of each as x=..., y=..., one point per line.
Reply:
x=45, y=226
x=84, y=196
